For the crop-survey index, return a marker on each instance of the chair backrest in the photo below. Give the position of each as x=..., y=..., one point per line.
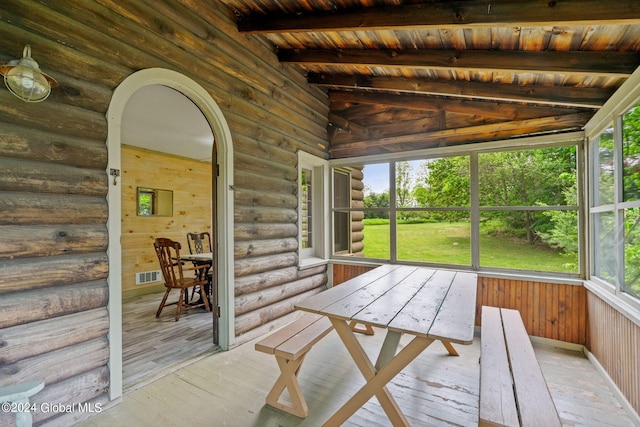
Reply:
x=168, y=252
x=199, y=242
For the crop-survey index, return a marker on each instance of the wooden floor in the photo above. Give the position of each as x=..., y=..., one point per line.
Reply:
x=229, y=389
x=153, y=347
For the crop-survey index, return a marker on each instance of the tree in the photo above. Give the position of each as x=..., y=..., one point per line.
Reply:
x=444, y=183
x=403, y=184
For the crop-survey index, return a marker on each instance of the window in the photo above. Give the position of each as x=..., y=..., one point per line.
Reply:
x=504, y=208
x=341, y=218
x=312, y=212
x=615, y=202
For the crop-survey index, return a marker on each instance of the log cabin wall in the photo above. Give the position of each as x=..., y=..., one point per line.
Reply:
x=189, y=180
x=53, y=286
x=614, y=340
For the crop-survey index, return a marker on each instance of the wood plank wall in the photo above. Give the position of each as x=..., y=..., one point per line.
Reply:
x=548, y=310
x=191, y=184
x=615, y=341
x=344, y=272
x=53, y=184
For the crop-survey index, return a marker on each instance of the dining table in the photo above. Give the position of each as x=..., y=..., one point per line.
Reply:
x=198, y=259
x=426, y=304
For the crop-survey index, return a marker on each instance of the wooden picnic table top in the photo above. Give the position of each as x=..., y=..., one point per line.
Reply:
x=432, y=303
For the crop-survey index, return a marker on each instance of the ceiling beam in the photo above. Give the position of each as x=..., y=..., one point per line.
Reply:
x=526, y=126
x=463, y=13
x=472, y=107
x=552, y=95
x=593, y=64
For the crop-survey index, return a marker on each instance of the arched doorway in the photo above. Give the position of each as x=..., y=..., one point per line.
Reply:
x=223, y=205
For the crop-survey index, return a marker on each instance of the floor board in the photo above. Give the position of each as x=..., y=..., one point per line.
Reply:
x=152, y=347
x=229, y=389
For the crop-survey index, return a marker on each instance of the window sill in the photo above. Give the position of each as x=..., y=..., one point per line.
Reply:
x=310, y=262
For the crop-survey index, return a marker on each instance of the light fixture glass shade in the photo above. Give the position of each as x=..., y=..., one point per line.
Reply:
x=25, y=80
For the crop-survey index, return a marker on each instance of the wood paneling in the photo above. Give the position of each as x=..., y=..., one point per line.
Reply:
x=191, y=183
x=615, y=341
x=548, y=310
x=344, y=272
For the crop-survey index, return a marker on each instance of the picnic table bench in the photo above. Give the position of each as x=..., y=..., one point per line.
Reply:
x=290, y=345
x=513, y=391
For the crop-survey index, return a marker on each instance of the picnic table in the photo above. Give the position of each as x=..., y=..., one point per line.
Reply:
x=427, y=304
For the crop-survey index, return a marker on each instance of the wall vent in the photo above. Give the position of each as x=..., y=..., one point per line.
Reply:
x=148, y=277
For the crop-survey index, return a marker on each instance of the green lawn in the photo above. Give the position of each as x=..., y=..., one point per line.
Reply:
x=449, y=243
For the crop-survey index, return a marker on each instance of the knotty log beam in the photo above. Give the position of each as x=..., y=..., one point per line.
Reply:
x=51, y=271
x=87, y=387
x=466, y=14
x=511, y=111
x=30, y=306
x=35, y=209
x=43, y=241
x=260, y=281
x=35, y=177
x=258, y=198
x=30, y=339
x=269, y=296
x=586, y=97
x=253, y=319
x=520, y=126
x=577, y=63
x=255, y=248
x=262, y=231
x=247, y=266
x=30, y=144
x=59, y=364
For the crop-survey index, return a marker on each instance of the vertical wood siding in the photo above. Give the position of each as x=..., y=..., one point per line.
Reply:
x=615, y=341
x=344, y=272
x=53, y=184
x=549, y=310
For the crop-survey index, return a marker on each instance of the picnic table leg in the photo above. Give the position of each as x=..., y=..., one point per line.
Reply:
x=363, y=329
x=452, y=351
x=376, y=379
x=288, y=379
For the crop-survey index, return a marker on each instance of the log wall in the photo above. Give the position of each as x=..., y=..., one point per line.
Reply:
x=53, y=184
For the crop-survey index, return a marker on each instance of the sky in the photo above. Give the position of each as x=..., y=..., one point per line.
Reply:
x=376, y=176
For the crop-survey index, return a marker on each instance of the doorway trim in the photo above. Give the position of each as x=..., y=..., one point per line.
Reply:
x=224, y=206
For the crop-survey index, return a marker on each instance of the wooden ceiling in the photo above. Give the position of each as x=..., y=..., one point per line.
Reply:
x=406, y=75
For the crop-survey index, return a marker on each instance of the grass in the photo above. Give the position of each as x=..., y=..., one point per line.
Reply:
x=449, y=243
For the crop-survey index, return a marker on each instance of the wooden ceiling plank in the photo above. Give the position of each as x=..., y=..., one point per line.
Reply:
x=586, y=97
x=621, y=64
x=525, y=126
x=472, y=107
x=347, y=125
x=441, y=15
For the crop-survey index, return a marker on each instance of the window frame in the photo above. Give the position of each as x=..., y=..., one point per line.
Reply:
x=318, y=253
x=626, y=97
x=570, y=138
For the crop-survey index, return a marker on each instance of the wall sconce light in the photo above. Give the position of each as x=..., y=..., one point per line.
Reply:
x=25, y=80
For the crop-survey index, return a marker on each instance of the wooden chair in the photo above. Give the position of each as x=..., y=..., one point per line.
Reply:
x=200, y=243
x=172, y=268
